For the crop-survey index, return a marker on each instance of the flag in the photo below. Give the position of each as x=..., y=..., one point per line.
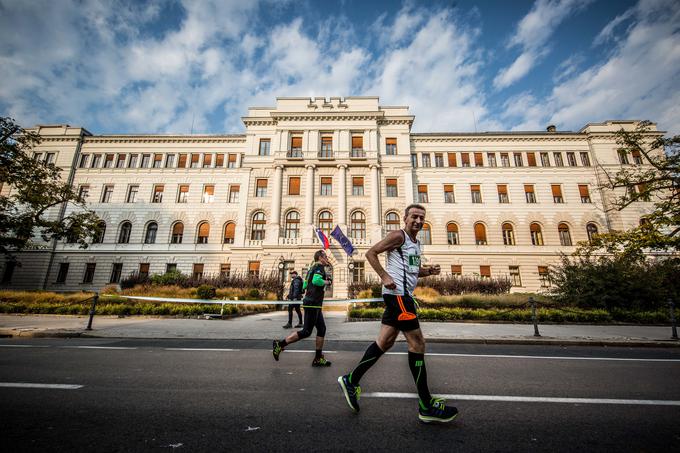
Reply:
x=342, y=239
x=323, y=239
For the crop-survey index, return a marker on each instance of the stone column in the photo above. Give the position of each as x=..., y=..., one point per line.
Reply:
x=375, y=230
x=276, y=195
x=307, y=231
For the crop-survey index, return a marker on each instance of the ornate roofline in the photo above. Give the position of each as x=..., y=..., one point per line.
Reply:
x=165, y=139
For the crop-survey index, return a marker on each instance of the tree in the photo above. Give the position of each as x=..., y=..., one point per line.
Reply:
x=34, y=188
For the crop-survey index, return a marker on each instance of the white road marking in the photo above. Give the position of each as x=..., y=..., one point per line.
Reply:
x=40, y=386
x=504, y=356
x=201, y=349
x=527, y=399
x=95, y=347
x=304, y=350
x=23, y=346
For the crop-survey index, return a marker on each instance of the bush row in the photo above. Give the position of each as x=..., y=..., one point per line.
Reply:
x=445, y=285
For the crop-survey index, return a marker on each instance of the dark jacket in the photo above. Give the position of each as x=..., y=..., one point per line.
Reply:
x=295, y=291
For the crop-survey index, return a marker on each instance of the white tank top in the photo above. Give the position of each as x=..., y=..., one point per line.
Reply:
x=405, y=264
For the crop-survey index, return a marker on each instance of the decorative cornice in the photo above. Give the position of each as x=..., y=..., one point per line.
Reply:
x=165, y=139
x=44, y=139
x=327, y=116
x=415, y=138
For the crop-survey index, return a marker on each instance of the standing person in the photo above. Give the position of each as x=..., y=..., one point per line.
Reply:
x=314, y=284
x=294, y=293
x=399, y=281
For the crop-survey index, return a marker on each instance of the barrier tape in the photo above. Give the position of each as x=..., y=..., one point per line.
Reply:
x=241, y=302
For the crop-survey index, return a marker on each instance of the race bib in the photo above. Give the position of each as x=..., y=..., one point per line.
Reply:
x=414, y=263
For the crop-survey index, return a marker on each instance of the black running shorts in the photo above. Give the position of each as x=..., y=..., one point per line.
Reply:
x=400, y=312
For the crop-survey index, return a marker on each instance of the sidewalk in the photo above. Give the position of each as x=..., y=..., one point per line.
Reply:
x=268, y=326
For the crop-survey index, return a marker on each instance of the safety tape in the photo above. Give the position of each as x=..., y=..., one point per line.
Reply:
x=241, y=302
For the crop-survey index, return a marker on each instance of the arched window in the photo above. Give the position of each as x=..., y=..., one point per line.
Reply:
x=565, y=236
x=203, y=233
x=258, y=224
x=99, y=237
x=392, y=221
x=480, y=234
x=125, y=230
x=292, y=230
x=357, y=228
x=177, y=233
x=229, y=232
x=591, y=231
x=425, y=235
x=536, y=234
x=508, y=234
x=150, y=235
x=452, y=234
x=326, y=222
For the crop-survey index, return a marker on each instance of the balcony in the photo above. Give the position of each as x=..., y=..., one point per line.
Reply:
x=357, y=153
x=295, y=153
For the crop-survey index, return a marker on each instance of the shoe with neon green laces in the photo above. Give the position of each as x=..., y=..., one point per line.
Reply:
x=321, y=361
x=276, y=350
x=351, y=392
x=438, y=412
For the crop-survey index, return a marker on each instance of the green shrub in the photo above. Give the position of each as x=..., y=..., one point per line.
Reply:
x=206, y=292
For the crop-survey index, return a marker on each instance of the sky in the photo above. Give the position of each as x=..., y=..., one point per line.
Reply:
x=177, y=67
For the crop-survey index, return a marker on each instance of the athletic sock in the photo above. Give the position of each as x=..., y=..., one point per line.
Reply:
x=416, y=362
x=371, y=356
x=318, y=354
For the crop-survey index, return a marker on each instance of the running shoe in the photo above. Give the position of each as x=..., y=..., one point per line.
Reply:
x=288, y=326
x=321, y=362
x=276, y=349
x=351, y=392
x=298, y=325
x=438, y=412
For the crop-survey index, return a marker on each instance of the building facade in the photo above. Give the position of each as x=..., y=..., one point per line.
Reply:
x=498, y=203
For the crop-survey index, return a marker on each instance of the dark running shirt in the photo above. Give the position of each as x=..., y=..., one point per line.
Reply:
x=314, y=294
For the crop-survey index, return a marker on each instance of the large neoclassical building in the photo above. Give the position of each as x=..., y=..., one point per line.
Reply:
x=498, y=203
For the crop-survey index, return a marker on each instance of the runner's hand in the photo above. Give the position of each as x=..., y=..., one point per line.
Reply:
x=388, y=282
x=435, y=270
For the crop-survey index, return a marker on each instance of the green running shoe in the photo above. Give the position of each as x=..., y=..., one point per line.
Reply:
x=321, y=362
x=351, y=392
x=438, y=412
x=276, y=349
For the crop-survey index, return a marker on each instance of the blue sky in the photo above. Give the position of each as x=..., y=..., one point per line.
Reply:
x=163, y=66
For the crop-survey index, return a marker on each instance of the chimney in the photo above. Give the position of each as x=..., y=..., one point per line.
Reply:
x=551, y=128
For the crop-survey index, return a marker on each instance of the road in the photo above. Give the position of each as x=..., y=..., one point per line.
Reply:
x=211, y=395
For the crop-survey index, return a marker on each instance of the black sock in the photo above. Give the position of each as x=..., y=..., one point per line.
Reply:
x=283, y=343
x=416, y=362
x=318, y=354
x=371, y=356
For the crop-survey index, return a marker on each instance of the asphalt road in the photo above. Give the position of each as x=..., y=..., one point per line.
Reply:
x=211, y=395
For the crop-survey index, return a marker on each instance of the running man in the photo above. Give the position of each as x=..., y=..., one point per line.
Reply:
x=399, y=281
x=295, y=293
x=314, y=284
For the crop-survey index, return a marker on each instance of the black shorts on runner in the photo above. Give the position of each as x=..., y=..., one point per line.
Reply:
x=400, y=312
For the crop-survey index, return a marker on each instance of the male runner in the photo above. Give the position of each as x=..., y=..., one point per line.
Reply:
x=399, y=281
x=295, y=293
x=314, y=284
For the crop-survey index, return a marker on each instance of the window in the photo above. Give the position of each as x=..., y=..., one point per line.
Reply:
x=456, y=270
x=96, y=159
x=557, y=157
x=392, y=221
x=63, y=272
x=452, y=159
x=143, y=270
x=565, y=236
x=82, y=163
x=529, y=193
x=124, y=234
x=545, y=160
x=169, y=161
x=623, y=156
x=505, y=160
x=208, y=194
x=485, y=272
x=508, y=234
x=258, y=225
x=557, y=193
x=158, y=193
x=133, y=190
x=357, y=228
x=515, y=277
x=294, y=185
x=234, y=190
x=585, y=159
x=182, y=163
x=391, y=188
x=292, y=225
x=536, y=234
x=357, y=146
x=183, y=193
x=479, y=160
x=503, y=193
x=491, y=158
x=225, y=270
x=591, y=231
x=480, y=234
x=358, y=272
x=194, y=160
x=295, y=146
x=99, y=237
x=170, y=267
x=157, y=161
x=261, y=188
x=265, y=146
x=207, y=160
x=452, y=234
x=9, y=271
x=108, y=161
x=145, y=160
x=544, y=276
x=326, y=146
x=231, y=160
x=326, y=222
x=476, y=193
x=585, y=194
x=518, y=159
x=531, y=159
x=177, y=233
x=358, y=185
x=49, y=158
x=203, y=233
x=229, y=233
x=254, y=269
x=326, y=185
x=391, y=146
x=132, y=162
x=84, y=192
x=37, y=156
x=425, y=234
x=88, y=277
x=219, y=160
x=107, y=193
x=449, y=194
x=197, y=271
x=150, y=236
x=120, y=162
x=414, y=161
x=465, y=159
x=426, y=160
x=438, y=160
x=116, y=271
x=422, y=193
x=571, y=159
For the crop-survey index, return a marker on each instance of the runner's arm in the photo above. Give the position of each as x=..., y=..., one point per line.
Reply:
x=392, y=241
